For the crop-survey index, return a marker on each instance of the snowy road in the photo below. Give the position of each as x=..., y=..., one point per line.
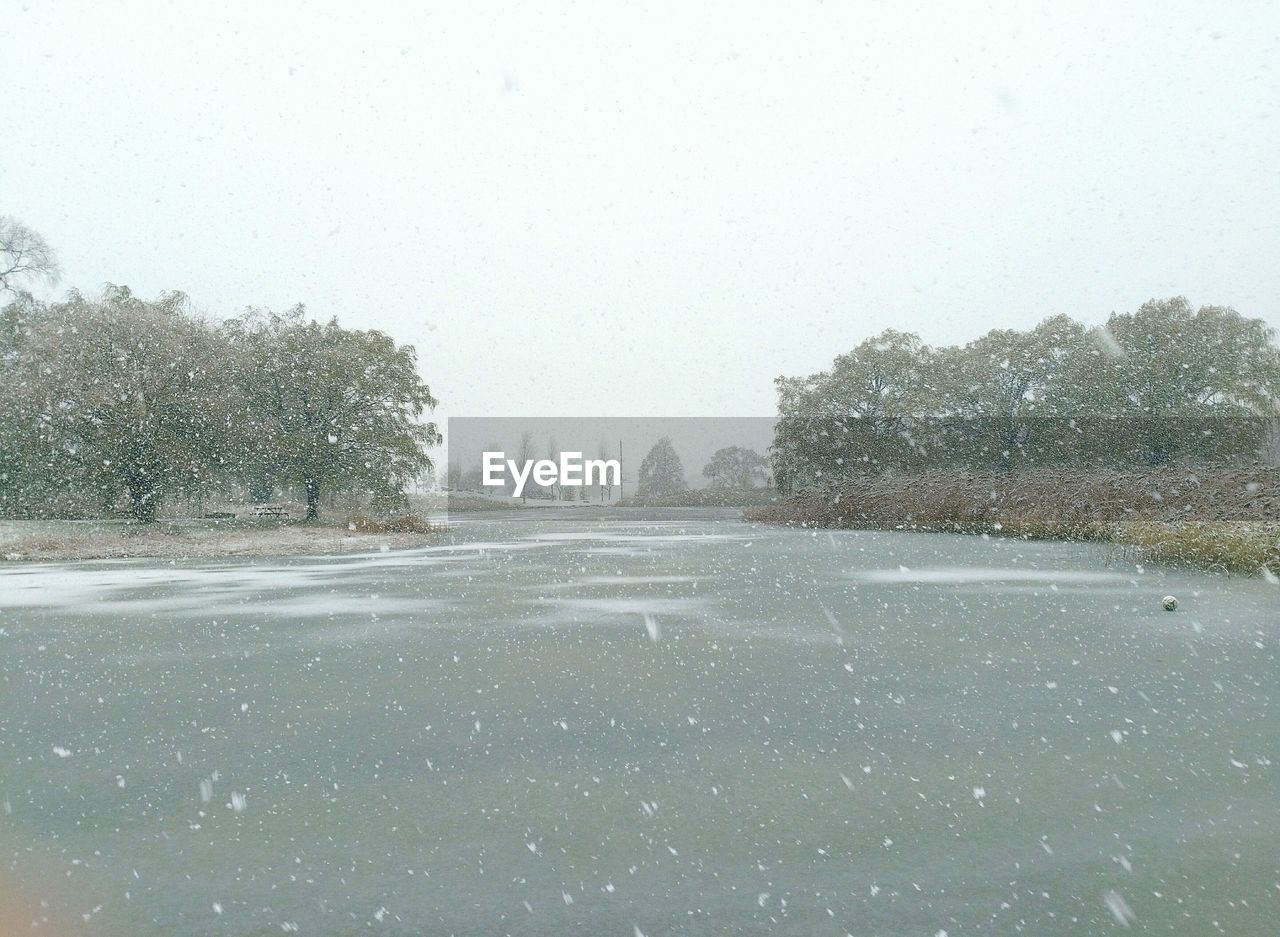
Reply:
x=660, y=722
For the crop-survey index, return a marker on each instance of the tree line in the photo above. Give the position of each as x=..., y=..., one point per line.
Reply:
x=119, y=401
x=1165, y=384
x=731, y=468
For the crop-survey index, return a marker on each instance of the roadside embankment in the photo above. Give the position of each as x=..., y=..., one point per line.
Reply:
x=1219, y=518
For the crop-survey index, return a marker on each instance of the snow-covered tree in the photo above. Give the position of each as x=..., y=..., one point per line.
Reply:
x=117, y=395
x=661, y=473
x=736, y=467
x=326, y=408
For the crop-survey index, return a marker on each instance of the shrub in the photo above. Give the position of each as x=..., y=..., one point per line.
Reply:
x=397, y=524
x=1219, y=518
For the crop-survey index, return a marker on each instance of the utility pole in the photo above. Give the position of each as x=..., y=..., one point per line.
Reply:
x=621, y=479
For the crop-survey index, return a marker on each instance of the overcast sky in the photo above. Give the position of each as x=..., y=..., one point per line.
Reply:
x=650, y=209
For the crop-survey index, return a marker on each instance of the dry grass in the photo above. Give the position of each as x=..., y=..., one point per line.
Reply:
x=1230, y=547
x=396, y=524
x=1216, y=518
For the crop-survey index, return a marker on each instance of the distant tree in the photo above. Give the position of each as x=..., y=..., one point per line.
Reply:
x=525, y=453
x=553, y=490
x=661, y=473
x=427, y=480
x=328, y=408
x=472, y=480
x=736, y=467
x=606, y=482
x=118, y=395
x=508, y=484
x=24, y=256
x=454, y=475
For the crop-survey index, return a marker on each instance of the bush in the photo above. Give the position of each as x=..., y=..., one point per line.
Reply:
x=1219, y=518
x=397, y=524
x=1231, y=547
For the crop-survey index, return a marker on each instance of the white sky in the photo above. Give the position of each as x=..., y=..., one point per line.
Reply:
x=650, y=209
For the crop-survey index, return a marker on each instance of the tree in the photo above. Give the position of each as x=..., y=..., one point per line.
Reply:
x=453, y=477
x=880, y=379
x=25, y=483
x=736, y=467
x=1162, y=383
x=606, y=482
x=119, y=396
x=507, y=485
x=24, y=255
x=661, y=474
x=1171, y=368
x=427, y=480
x=553, y=490
x=998, y=395
x=472, y=480
x=524, y=455
x=859, y=415
x=328, y=408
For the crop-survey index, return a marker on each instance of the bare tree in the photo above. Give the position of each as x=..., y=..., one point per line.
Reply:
x=24, y=255
x=508, y=483
x=606, y=490
x=523, y=455
x=553, y=454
